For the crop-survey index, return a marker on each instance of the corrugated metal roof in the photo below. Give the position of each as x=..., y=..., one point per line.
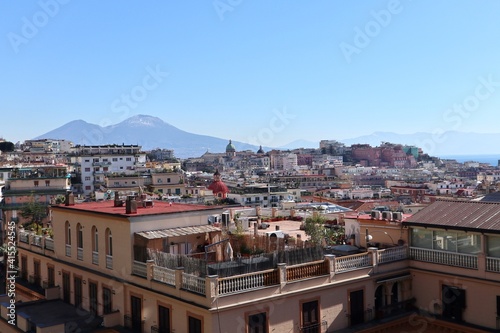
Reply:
x=459, y=215
x=174, y=232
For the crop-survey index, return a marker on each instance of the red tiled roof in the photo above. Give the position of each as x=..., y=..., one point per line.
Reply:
x=159, y=207
x=459, y=215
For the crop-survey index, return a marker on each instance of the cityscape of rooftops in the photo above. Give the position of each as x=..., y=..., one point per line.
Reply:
x=237, y=166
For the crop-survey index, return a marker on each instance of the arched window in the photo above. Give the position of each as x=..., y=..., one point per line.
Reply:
x=95, y=239
x=67, y=228
x=109, y=242
x=79, y=236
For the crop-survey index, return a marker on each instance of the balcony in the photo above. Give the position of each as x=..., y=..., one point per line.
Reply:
x=68, y=250
x=109, y=261
x=95, y=258
x=325, y=271
x=139, y=268
x=444, y=258
x=36, y=243
x=313, y=328
x=79, y=253
x=49, y=244
x=136, y=325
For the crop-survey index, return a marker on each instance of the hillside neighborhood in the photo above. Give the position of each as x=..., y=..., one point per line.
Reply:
x=355, y=238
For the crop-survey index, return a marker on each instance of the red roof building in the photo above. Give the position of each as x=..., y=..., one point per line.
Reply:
x=218, y=187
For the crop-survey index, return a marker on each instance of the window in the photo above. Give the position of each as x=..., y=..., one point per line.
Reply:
x=257, y=323
x=96, y=160
x=109, y=242
x=68, y=233
x=107, y=300
x=87, y=160
x=79, y=236
x=87, y=169
x=77, y=281
x=50, y=276
x=93, y=297
x=115, y=159
x=104, y=159
x=194, y=325
x=310, y=317
x=168, y=180
x=47, y=183
x=88, y=187
x=95, y=239
x=87, y=178
x=163, y=319
x=117, y=183
x=35, y=183
x=128, y=159
x=105, y=169
x=24, y=267
x=36, y=272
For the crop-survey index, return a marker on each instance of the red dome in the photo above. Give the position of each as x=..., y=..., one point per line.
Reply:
x=218, y=187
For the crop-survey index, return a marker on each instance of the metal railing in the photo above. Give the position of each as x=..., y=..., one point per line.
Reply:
x=314, y=328
x=444, y=258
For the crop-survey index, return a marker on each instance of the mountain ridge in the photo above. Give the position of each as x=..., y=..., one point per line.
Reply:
x=152, y=132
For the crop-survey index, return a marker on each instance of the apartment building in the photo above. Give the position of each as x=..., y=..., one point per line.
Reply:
x=40, y=184
x=436, y=271
x=93, y=163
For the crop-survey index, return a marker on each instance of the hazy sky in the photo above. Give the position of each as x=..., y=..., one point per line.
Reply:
x=257, y=71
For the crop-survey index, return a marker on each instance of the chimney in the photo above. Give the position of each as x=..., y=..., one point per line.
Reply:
x=277, y=227
x=69, y=199
x=131, y=205
x=117, y=201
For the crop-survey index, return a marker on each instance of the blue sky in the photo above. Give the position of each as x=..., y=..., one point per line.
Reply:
x=267, y=72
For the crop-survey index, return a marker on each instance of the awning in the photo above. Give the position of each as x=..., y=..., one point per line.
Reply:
x=174, y=232
x=395, y=278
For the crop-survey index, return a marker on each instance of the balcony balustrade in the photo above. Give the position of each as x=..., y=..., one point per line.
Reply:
x=95, y=258
x=79, y=253
x=444, y=258
x=109, y=261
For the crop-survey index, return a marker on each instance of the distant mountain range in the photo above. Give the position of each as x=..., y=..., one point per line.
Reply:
x=146, y=131
x=152, y=132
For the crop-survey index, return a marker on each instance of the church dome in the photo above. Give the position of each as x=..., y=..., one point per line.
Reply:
x=230, y=147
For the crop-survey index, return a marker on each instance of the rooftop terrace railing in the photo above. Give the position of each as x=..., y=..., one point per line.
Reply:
x=444, y=257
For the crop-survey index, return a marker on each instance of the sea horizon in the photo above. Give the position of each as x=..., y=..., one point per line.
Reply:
x=491, y=159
